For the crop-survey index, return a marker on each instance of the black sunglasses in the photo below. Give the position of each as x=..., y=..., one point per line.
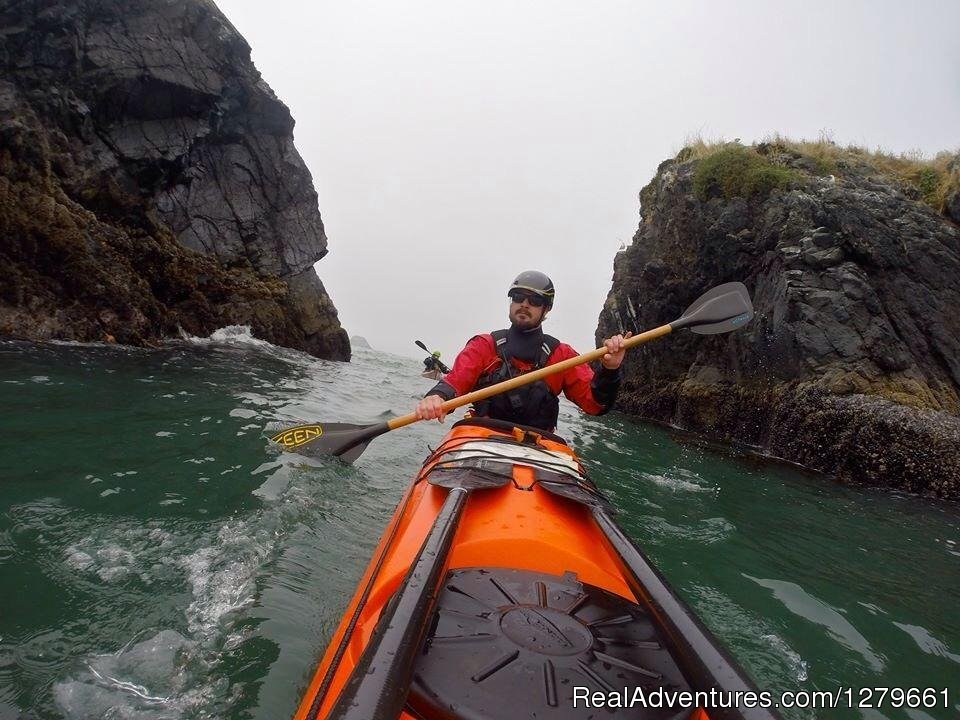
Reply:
x=534, y=300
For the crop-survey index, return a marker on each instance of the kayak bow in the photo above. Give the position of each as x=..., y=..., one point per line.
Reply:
x=503, y=588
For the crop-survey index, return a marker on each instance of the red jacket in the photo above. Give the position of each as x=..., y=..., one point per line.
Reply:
x=479, y=357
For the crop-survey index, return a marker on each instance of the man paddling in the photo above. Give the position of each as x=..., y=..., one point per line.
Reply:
x=433, y=363
x=493, y=357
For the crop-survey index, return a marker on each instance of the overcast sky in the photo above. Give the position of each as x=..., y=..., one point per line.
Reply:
x=454, y=144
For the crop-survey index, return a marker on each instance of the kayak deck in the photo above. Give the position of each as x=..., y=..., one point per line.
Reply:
x=506, y=638
x=531, y=601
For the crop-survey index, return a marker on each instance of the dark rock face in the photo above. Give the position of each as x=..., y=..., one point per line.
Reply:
x=149, y=182
x=852, y=364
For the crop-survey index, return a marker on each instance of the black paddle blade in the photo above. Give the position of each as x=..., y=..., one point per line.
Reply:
x=339, y=439
x=724, y=308
x=419, y=344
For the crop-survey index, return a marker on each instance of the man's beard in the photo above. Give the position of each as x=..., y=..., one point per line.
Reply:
x=526, y=319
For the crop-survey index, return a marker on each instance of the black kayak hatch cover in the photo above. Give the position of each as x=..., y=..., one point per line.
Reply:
x=510, y=644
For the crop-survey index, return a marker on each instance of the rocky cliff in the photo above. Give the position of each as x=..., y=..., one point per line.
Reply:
x=149, y=182
x=852, y=364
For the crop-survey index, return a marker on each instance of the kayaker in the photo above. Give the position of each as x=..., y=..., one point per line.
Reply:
x=433, y=363
x=493, y=357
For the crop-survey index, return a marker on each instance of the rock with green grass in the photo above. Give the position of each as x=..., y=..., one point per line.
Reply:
x=852, y=363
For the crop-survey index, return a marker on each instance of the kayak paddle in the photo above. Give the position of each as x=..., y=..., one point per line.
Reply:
x=724, y=308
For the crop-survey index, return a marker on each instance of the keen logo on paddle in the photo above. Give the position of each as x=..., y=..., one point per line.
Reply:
x=297, y=436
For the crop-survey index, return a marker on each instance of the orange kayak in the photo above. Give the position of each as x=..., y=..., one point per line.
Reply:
x=503, y=588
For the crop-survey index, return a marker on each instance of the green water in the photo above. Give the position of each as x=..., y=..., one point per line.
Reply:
x=159, y=560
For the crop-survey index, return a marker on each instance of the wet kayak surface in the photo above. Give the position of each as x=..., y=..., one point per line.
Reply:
x=159, y=559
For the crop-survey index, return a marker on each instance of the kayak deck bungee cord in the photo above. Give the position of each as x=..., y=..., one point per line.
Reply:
x=503, y=588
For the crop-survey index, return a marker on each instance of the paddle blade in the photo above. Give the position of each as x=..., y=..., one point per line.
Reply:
x=349, y=456
x=724, y=308
x=339, y=439
x=421, y=345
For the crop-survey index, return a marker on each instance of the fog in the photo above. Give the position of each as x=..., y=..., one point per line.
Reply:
x=455, y=144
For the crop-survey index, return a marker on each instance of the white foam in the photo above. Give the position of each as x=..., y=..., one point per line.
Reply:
x=78, y=559
x=675, y=483
x=127, y=552
x=222, y=576
x=144, y=680
x=229, y=335
x=798, y=666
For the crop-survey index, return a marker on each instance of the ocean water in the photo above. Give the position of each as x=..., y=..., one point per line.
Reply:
x=159, y=559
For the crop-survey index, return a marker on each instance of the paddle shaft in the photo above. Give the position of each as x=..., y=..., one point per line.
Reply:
x=520, y=380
